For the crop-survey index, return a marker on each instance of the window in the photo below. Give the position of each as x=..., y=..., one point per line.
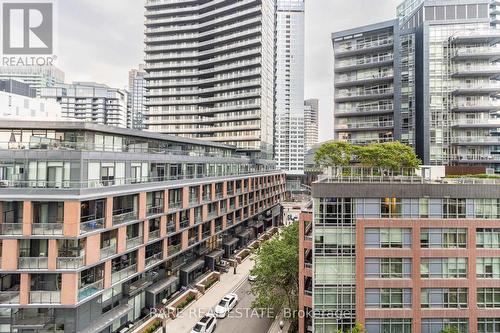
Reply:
x=393, y=325
x=388, y=298
x=390, y=208
x=435, y=325
x=388, y=268
x=488, y=238
x=444, y=298
x=488, y=325
x=488, y=297
x=443, y=238
x=488, y=268
x=443, y=268
x=453, y=208
x=387, y=238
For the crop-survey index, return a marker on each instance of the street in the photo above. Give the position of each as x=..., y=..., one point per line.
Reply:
x=242, y=319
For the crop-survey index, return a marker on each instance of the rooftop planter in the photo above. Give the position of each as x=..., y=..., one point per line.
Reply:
x=254, y=245
x=182, y=302
x=208, y=282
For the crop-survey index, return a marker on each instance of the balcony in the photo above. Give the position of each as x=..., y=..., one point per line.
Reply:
x=475, y=53
x=108, y=251
x=70, y=262
x=91, y=225
x=174, y=205
x=478, y=105
x=9, y=297
x=476, y=158
x=90, y=289
x=155, y=234
x=173, y=249
x=343, y=50
x=206, y=234
x=47, y=229
x=154, y=210
x=33, y=262
x=134, y=242
x=24, y=319
x=363, y=94
x=184, y=224
x=124, y=217
x=353, y=80
x=192, y=241
x=490, y=88
x=11, y=229
x=45, y=297
x=476, y=140
x=363, y=126
x=367, y=62
x=124, y=273
x=476, y=36
x=170, y=228
x=476, y=70
x=155, y=258
x=479, y=122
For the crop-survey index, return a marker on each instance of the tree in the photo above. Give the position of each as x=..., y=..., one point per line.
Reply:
x=276, y=269
x=358, y=328
x=337, y=153
x=391, y=156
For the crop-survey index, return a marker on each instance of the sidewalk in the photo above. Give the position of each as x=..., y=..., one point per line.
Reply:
x=275, y=327
x=229, y=282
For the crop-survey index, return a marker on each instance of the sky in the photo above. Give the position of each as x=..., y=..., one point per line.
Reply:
x=101, y=40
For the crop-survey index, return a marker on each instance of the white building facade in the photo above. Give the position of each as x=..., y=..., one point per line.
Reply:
x=289, y=127
x=37, y=77
x=137, y=98
x=91, y=102
x=311, y=122
x=210, y=68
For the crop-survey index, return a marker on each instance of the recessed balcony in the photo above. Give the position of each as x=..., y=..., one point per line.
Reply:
x=476, y=140
x=87, y=290
x=346, y=65
x=123, y=273
x=480, y=106
x=356, y=80
x=476, y=158
x=45, y=297
x=345, y=50
x=364, y=126
x=33, y=263
x=476, y=123
x=363, y=94
x=476, y=71
x=491, y=88
x=476, y=37
x=477, y=53
x=11, y=229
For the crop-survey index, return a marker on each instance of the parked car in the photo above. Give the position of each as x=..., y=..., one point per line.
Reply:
x=225, y=305
x=252, y=278
x=207, y=324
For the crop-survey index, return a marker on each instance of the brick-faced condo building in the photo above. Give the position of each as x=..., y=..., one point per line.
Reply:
x=99, y=224
x=401, y=254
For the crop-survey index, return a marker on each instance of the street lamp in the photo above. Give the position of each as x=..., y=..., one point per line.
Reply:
x=164, y=314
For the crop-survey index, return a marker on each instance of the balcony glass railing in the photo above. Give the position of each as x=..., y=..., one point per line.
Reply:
x=47, y=229
x=124, y=217
x=133, y=242
x=173, y=249
x=45, y=297
x=206, y=234
x=154, y=210
x=70, y=262
x=341, y=48
x=90, y=289
x=108, y=251
x=363, y=61
x=367, y=124
x=11, y=229
x=184, y=224
x=155, y=234
x=33, y=262
x=477, y=139
x=91, y=225
x=170, y=228
x=192, y=241
x=124, y=273
x=9, y=297
x=174, y=205
x=363, y=93
x=155, y=258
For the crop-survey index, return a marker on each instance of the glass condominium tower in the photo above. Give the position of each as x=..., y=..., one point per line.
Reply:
x=428, y=79
x=210, y=66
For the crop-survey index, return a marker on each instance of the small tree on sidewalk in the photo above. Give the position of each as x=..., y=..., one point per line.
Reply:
x=277, y=273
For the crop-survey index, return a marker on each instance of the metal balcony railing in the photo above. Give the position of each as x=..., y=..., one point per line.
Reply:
x=174, y=205
x=45, y=297
x=90, y=289
x=33, y=262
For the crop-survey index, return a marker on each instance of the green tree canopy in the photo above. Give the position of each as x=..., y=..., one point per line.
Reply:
x=336, y=153
x=449, y=330
x=277, y=272
x=391, y=155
